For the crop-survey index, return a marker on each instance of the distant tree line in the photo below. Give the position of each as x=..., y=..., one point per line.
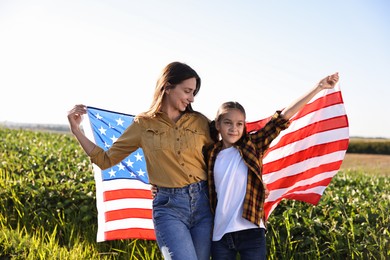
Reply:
x=369, y=146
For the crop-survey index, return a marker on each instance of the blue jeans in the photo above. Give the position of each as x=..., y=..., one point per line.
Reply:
x=183, y=222
x=249, y=243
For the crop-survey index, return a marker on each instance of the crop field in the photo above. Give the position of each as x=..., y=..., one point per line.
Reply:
x=48, y=208
x=374, y=164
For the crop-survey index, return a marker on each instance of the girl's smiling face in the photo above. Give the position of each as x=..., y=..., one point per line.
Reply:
x=231, y=127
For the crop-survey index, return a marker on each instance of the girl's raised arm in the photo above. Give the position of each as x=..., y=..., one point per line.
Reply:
x=325, y=83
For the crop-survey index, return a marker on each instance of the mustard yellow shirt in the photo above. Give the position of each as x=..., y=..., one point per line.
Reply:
x=173, y=151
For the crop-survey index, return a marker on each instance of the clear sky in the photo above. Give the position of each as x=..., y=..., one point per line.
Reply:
x=263, y=54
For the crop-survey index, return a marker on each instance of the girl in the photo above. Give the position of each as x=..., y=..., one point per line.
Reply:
x=172, y=136
x=236, y=188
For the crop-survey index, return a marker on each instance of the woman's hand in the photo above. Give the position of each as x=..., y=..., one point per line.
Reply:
x=153, y=190
x=75, y=116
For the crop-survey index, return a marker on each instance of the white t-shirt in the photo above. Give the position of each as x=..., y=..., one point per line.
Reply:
x=230, y=177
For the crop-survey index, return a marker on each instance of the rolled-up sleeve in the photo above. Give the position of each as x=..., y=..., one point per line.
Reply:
x=280, y=121
x=263, y=137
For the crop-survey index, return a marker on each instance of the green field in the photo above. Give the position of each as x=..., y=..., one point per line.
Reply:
x=47, y=208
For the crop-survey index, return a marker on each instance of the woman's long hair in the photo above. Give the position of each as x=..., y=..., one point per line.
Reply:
x=173, y=74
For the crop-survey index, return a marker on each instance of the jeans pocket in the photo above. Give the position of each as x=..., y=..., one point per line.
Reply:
x=161, y=200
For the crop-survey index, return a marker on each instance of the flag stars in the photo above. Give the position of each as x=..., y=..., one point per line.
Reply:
x=108, y=129
x=121, y=167
x=114, y=138
x=119, y=121
x=141, y=172
x=112, y=173
x=102, y=130
x=138, y=157
x=129, y=163
x=98, y=116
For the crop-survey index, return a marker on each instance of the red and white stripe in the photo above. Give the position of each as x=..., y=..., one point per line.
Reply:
x=303, y=159
x=126, y=210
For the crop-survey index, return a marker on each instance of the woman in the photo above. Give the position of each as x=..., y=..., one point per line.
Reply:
x=172, y=136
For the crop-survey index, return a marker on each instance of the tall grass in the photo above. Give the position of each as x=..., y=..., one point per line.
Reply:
x=48, y=210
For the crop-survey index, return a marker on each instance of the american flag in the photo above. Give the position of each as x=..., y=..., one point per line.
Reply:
x=303, y=159
x=123, y=195
x=299, y=165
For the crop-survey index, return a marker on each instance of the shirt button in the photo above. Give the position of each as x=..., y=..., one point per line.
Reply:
x=178, y=152
x=182, y=164
x=190, y=176
x=177, y=139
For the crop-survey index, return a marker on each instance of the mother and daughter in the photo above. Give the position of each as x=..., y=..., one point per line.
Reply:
x=209, y=192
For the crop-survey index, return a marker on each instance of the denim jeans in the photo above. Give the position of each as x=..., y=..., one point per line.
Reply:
x=183, y=222
x=249, y=243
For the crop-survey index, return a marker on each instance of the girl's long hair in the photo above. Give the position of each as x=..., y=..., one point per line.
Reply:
x=174, y=73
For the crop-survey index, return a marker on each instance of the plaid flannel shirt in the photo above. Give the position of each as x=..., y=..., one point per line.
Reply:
x=252, y=147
